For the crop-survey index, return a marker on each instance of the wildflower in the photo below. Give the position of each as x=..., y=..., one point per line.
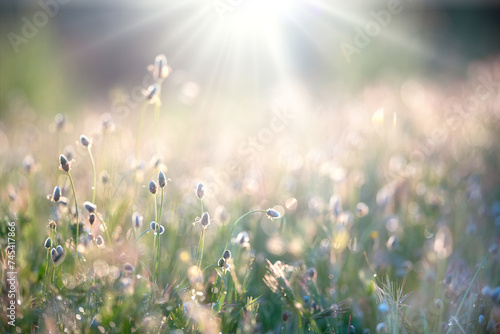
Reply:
x=85, y=141
x=92, y=218
x=57, y=254
x=99, y=241
x=222, y=263
x=69, y=152
x=226, y=255
x=438, y=304
x=104, y=177
x=200, y=191
x=481, y=320
x=48, y=243
x=159, y=69
x=272, y=214
x=137, y=220
x=486, y=291
x=162, y=181
x=306, y=300
x=242, y=239
x=65, y=165
x=28, y=164
x=90, y=207
x=205, y=219
x=362, y=210
x=128, y=268
x=160, y=229
x=107, y=124
x=153, y=187
x=56, y=196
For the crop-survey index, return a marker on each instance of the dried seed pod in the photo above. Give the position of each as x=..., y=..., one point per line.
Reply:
x=153, y=188
x=64, y=163
x=272, y=214
x=85, y=141
x=200, y=191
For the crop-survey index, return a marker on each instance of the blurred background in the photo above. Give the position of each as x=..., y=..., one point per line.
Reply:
x=233, y=51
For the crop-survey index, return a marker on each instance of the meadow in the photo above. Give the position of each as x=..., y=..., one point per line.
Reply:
x=374, y=212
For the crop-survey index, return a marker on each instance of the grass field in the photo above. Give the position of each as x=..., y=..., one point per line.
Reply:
x=371, y=211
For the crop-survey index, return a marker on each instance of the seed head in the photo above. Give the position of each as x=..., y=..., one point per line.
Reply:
x=153, y=187
x=65, y=165
x=242, y=240
x=92, y=218
x=137, y=220
x=90, y=207
x=226, y=255
x=438, y=304
x=60, y=121
x=150, y=93
x=48, y=243
x=162, y=181
x=311, y=273
x=221, y=263
x=69, y=152
x=200, y=191
x=128, y=268
x=362, y=209
x=107, y=124
x=160, y=68
x=272, y=214
x=205, y=219
x=57, y=254
x=28, y=164
x=99, y=241
x=56, y=195
x=85, y=141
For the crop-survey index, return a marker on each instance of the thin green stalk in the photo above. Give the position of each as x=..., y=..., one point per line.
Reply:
x=468, y=288
x=201, y=244
x=93, y=170
x=76, y=210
